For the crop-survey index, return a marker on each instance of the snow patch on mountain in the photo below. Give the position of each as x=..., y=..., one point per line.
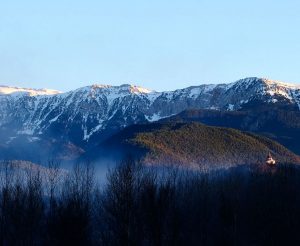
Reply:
x=154, y=117
x=8, y=90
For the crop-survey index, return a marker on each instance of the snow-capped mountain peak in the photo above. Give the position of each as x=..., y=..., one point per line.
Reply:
x=281, y=83
x=138, y=89
x=9, y=90
x=124, y=89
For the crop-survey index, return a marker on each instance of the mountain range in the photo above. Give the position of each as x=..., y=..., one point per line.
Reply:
x=35, y=124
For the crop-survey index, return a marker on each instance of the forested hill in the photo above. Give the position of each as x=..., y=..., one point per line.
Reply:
x=194, y=144
x=278, y=123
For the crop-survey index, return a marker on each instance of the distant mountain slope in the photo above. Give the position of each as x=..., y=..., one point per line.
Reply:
x=273, y=122
x=193, y=144
x=19, y=171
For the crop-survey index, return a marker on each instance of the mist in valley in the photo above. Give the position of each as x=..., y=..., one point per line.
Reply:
x=128, y=203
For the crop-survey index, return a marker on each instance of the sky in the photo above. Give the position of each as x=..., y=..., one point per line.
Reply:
x=157, y=44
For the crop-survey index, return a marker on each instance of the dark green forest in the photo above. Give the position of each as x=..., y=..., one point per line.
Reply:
x=273, y=121
x=198, y=145
x=140, y=205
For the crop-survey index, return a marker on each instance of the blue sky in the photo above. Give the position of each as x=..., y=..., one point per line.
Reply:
x=158, y=44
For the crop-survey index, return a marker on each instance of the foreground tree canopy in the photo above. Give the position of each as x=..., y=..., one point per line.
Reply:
x=140, y=205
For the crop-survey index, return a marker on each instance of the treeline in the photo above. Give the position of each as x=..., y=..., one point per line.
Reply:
x=140, y=205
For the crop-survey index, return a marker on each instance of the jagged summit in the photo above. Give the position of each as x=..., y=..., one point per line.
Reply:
x=123, y=87
x=250, y=81
x=266, y=82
